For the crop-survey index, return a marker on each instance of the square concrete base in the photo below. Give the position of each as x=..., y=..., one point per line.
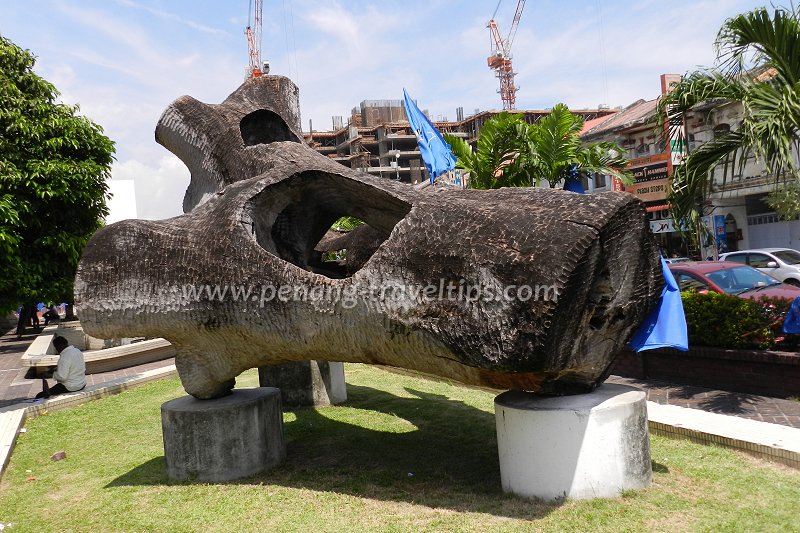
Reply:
x=306, y=383
x=224, y=439
x=583, y=446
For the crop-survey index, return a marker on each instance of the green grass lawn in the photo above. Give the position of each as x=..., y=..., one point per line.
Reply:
x=404, y=454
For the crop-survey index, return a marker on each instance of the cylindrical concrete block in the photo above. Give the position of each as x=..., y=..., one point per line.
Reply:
x=583, y=446
x=306, y=383
x=223, y=439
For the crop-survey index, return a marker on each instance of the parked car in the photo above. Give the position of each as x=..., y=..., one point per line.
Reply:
x=670, y=260
x=780, y=263
x=727, y=277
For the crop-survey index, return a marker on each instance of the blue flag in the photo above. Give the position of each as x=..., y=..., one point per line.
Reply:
x=436, y=153
x=665, y=326
x=791, y=324
x=574, y=186
x=572, y=182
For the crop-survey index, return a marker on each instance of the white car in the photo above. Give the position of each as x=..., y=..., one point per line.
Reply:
x=780, y=263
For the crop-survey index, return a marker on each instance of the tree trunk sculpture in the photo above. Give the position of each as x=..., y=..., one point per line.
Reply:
x=526, y=288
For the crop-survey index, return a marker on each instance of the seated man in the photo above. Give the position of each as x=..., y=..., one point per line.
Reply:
x=70, y=372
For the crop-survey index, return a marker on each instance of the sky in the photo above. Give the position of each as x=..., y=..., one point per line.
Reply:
x=124, y=61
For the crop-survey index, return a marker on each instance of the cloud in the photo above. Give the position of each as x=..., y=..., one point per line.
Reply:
x=172, y=16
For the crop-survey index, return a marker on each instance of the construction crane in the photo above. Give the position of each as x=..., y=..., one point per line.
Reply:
x=253, y=33
x=500, y=59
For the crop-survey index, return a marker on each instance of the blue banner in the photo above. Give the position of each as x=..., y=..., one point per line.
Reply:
x=436, y=153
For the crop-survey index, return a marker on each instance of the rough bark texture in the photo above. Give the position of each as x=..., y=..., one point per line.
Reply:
x=260, y=201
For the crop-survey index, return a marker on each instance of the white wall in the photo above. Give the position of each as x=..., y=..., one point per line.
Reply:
x=775, y=235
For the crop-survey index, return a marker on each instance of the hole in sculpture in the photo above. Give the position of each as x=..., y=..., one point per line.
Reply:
x=293, y=220
x=264, y=127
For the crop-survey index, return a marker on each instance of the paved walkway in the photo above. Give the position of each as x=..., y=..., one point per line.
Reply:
x=15, y=388
x=741, y=405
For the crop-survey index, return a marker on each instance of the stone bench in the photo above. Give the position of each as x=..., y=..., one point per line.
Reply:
x=41, y=354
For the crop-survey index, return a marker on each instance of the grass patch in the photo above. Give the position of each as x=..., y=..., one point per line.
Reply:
x=404, y=454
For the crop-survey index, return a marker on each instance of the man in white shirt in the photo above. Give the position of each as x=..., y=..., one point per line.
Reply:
x=70, y=372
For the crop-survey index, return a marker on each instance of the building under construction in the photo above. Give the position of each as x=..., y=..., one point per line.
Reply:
x=378, y=139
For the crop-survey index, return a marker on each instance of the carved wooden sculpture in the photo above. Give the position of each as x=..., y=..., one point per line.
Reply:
x=436, y=283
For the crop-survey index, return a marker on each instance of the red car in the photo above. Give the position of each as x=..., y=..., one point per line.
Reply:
x=730, y=278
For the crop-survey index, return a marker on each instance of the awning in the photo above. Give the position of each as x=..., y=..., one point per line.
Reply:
x=652, y=208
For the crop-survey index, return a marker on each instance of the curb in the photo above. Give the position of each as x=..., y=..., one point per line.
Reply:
x=761, y=439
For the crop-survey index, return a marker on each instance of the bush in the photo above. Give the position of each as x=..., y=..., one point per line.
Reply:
x=725, y=321
x=776, y=309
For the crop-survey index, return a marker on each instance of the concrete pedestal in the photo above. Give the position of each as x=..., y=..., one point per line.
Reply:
x=306, y=383
x=224, y=439
x=583, y=446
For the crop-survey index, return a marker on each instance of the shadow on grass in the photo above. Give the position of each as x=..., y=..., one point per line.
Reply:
x=448, y=459
x=659, y=468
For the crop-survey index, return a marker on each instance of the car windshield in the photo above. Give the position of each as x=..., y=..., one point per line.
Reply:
x=740, y=279
x=790, y=257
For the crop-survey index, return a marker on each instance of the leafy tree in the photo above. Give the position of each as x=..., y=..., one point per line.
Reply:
x=758, y=64
x=502, y=155
x=513, y=153
x=560, y=153
x=53, y=170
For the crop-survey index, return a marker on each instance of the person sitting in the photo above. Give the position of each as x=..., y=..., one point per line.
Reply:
x=51, y=315
x=70, y=372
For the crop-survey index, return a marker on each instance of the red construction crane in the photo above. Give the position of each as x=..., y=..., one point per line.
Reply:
x=500, y=60
x=253, y=33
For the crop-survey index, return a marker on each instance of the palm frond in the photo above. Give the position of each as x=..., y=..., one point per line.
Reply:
x=692, y=182
x=773, y=125
x=557, y=141
x=604, y=158
x=756, y=39
x=499, y=160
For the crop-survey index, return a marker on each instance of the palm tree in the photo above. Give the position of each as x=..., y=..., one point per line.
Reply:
x=559, y=154
x=758, y=64
x=513, y=153
x=500, y=160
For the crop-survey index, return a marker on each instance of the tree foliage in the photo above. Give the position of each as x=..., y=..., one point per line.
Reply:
x=558, y=150
x=501, y=158
x=758, y=64
x=512, y=153
x=53, y=170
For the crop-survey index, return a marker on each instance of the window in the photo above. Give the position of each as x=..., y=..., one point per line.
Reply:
x=737, y=258
x=687, y=282
x=599, y=181
x=721, y=129
x=790, y=257
x=741, y=279
x=760, y=260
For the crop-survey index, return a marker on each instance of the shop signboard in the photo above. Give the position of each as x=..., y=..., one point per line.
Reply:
x=656, y=171
x=714, y=240
x=651, y=175
x=650, y=191
x=647, y=160
x=666, y=225
x=720, y=235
